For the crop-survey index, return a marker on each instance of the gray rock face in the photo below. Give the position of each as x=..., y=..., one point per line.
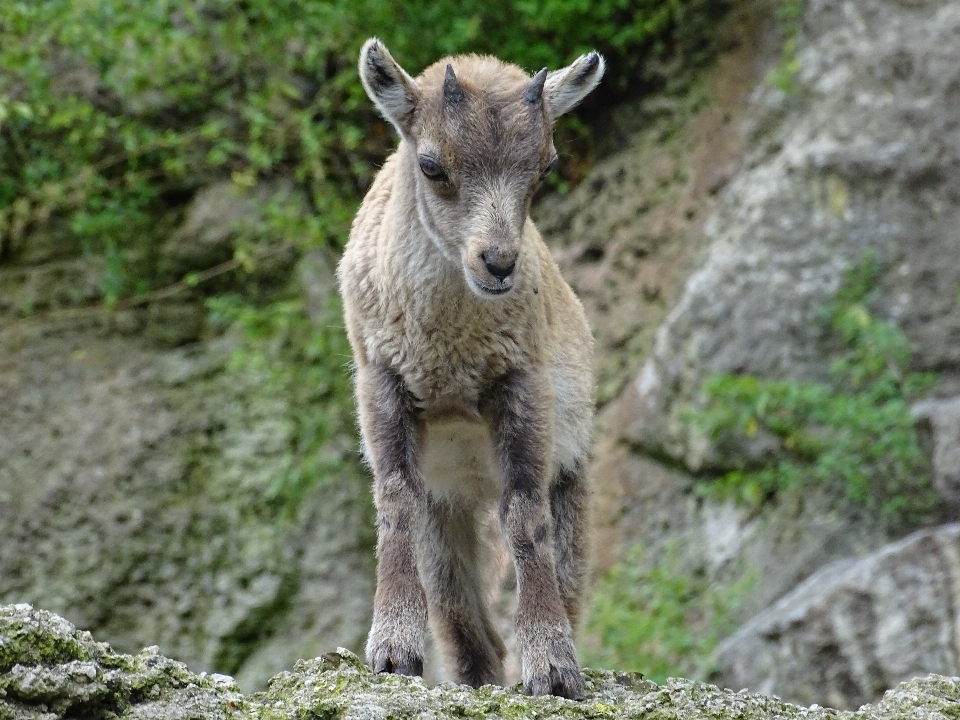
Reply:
x=133, y=500
x=216, y=216
x=942, y=417
x=50, y=670
x=856, y=627
x=766, y=552
x=864, y=156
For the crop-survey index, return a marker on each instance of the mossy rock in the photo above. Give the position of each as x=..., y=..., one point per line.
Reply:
x=52, y=670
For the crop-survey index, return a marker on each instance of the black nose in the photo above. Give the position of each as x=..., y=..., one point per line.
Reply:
x=498, y=265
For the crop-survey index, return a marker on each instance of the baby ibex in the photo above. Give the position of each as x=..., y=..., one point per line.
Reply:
x=473, y=368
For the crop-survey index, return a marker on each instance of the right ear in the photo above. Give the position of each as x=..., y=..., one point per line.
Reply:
x=565, y=88
x=395, y=93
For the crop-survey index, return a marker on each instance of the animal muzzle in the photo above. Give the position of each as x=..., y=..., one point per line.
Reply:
x=500, y=263
x=492, y=270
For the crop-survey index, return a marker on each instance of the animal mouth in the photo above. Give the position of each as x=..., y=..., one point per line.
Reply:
x=485, y=288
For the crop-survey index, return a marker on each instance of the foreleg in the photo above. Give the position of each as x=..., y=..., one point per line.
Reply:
x=568, y=508
x=521, y=417
x=392, y=435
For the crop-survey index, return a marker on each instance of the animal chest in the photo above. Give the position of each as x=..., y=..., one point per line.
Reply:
x=450, y=349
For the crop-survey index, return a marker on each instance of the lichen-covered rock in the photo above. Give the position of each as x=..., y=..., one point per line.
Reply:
x=133, y=493
x=856, y=627
x=51, y=670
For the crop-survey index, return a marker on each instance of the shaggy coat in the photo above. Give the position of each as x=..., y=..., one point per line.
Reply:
x=473, y=368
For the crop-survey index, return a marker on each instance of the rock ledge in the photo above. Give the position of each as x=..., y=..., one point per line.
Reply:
x=49, y=669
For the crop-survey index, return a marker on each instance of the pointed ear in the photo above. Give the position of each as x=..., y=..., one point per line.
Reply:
x=567, y=87
x=395, y=93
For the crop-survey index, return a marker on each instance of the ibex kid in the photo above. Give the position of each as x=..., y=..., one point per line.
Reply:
x=473, y=367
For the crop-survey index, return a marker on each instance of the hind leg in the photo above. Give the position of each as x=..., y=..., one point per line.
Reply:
x=568, y=509
x=450, y=566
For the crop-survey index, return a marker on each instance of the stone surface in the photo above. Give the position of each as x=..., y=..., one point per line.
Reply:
x=216, y=217
x=942, y=419
x=50, y=670
x=864, y=155
x=133, y=499
x=856, y=627
x=765, y=551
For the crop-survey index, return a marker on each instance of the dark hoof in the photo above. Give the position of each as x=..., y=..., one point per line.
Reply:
x=398, y=665
x=565, y=683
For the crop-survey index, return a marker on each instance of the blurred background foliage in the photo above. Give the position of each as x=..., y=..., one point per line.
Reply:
x=114, y=113
x=665, y=620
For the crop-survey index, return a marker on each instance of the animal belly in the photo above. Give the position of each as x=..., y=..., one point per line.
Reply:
x=458, y=461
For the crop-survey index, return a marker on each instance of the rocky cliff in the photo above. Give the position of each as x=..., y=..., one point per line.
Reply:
x=133, y=492
x=860, y=153
x=856, y=627
x=853, y=150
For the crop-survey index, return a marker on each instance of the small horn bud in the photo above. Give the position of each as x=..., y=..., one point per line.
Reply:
x=452, y=92
x=535, y=88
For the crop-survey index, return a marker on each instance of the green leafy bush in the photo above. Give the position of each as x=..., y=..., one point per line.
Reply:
x=783, y=76
x=853, y=433
x=662, y=622
x=112, y=112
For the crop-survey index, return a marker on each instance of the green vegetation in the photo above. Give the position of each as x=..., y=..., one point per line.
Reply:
x=784, y=75
x=663, y=622
x=114, y=113
x=27, y=643
x=853, y=433
x=306, y=362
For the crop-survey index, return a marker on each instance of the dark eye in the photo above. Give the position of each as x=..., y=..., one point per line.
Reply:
x=432, y=169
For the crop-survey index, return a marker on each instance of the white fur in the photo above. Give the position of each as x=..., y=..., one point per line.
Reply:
x=457, y=460
x=563, y=91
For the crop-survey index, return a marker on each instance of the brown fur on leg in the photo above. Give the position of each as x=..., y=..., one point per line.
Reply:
x=391, y=432
x=519, y=407
x=568, y=508
x=450, y=565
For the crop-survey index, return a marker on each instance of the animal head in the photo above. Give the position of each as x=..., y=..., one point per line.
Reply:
x=481, y=135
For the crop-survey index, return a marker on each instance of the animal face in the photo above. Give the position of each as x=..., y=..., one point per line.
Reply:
x=479, y=136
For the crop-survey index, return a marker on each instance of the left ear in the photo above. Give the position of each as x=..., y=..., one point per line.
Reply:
x=567, y=87
x=392, y=90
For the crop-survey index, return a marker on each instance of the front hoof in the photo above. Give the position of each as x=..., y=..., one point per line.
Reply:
x=550, y=662
x=565, y=682
x=393, y=660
